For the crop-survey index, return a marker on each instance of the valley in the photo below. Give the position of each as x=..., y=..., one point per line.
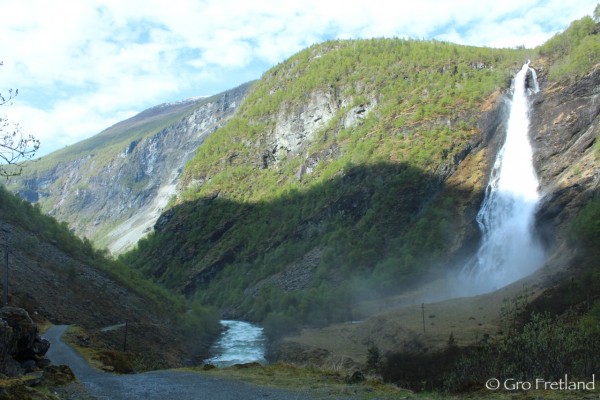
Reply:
x=334, y=202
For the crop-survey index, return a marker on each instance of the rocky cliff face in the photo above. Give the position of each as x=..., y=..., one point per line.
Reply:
x=296, y=127
x=115, y=197
x=565, y=130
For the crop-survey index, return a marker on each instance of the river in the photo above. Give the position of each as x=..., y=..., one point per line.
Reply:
x=240, y=342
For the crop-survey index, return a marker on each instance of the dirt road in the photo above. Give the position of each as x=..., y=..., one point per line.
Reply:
x=168, y=384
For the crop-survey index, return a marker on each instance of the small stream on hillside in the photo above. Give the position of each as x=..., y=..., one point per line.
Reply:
x=240, y=342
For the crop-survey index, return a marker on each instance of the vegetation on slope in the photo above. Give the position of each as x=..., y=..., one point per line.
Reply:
x=557, y=333
x=369, y=212
x=45, y=228
x=37, y=229
x=573, y=52
x=426, y=93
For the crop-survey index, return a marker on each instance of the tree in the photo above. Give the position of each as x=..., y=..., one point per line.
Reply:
x=15, y=146
x=597, y=13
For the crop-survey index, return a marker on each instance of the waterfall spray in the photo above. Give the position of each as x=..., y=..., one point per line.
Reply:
x=509, y=250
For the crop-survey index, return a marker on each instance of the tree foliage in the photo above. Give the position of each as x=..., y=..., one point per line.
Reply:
x=573, y=52
x=585, y=230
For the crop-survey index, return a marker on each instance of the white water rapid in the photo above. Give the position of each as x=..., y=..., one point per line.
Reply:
x=241, y=342
x=509, y=250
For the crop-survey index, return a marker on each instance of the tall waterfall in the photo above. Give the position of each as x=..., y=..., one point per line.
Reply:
x=509, y=250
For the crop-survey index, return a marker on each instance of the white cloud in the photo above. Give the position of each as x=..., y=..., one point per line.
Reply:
x=83, y=65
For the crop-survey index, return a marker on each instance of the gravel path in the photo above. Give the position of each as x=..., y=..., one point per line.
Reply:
x=168, y=384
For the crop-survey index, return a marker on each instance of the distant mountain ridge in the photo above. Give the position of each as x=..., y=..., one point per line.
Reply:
x=112, y=187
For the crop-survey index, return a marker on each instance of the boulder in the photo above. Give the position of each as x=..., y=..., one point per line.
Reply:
x=355, y=377
x=21, y=347
x=58, y=375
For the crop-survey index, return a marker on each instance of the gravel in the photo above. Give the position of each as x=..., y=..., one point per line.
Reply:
x=167, y=384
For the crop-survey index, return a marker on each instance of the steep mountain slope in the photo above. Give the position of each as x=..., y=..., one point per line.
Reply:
x=351, y=171
x=355, y=169
x=112, y=187
x=60, y=278
x=565, y=132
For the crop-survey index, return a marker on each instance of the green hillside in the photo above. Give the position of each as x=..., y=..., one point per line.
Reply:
x=426, y=93
x=356, y=213
x=352, y=211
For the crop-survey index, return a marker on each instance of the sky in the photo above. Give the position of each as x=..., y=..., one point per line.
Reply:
x=83, y=65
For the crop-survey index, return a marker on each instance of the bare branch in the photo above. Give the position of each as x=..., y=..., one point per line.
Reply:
x=15, y=147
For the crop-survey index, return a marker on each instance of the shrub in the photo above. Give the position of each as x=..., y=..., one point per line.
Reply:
x=585, y=230
x=277, y=325
x=547, y=347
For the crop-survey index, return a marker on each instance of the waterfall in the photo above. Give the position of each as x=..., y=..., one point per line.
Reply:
x=509, y=250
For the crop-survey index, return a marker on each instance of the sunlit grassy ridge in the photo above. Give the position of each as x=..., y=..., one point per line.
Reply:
x=426, y=94
x=573, y=52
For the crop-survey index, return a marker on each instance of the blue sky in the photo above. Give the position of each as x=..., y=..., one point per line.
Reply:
x=81, y=66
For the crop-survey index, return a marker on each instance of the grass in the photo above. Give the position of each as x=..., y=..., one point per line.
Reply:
x=331, y=384
x=312, y=382
x=89, y=353
x=468, y=319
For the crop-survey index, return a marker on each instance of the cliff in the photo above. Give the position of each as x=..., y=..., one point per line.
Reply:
x=111, y=188
x=566, y=131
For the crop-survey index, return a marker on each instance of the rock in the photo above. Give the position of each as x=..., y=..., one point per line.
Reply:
x=34, y=378
x=297, y=125
x=6, y=333
x=40, y=346
x=246, y=365
x=43, y=362
x=25, y=342
x=21, y=347
x=565, y=122
x=58, y=375
x=29, y=365
x=355, y=377
x=11, y=367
